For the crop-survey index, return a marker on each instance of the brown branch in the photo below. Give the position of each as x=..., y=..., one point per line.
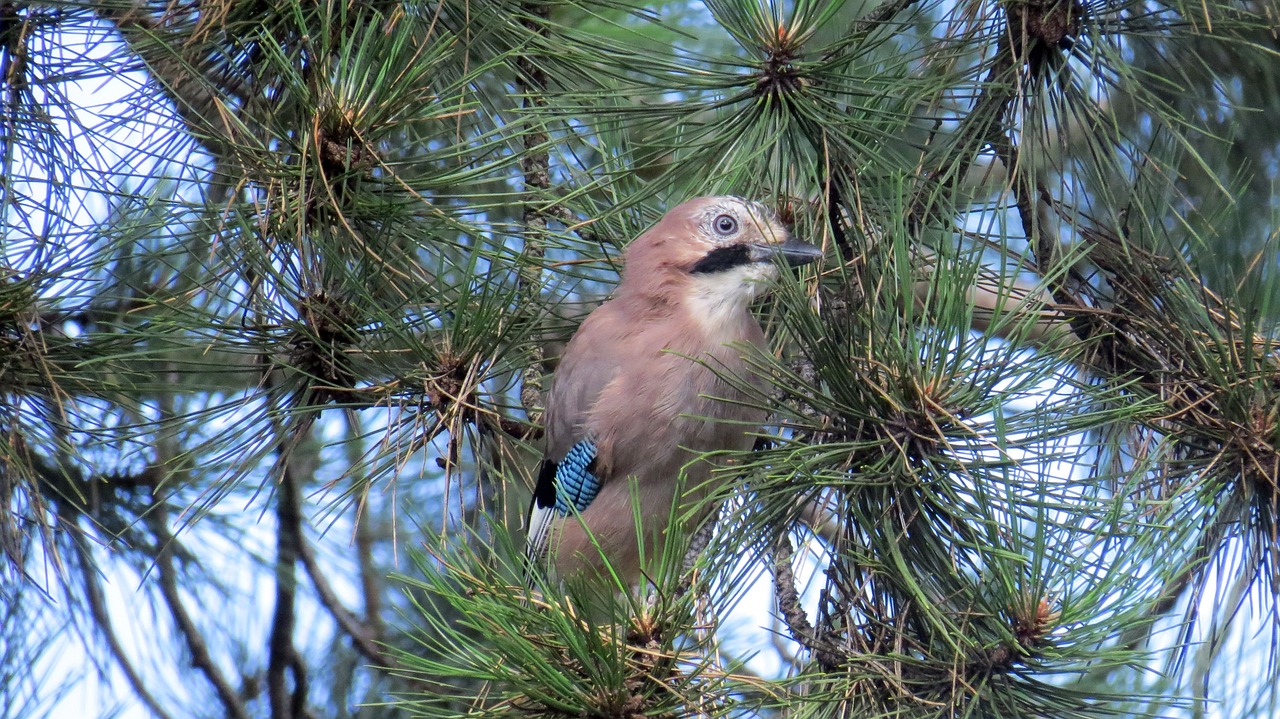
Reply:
x=365, y=539
x=983, y=125
x=535, y=162
x=784, y=588
x=283, y=656
x=516, y=428
x=701, y=538
x=793, y=615
x=578, y=227
x=878, y=15
x=1133, y=637
x=363, y=635
x=209, y=121
x=1038, y=318
x=68, y=516
x=157, y=522
x=1043, y=242
x=379, y=396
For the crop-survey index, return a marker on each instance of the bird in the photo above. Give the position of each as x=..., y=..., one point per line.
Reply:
x=640, y=396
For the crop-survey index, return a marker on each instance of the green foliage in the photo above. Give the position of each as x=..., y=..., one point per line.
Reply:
x=554, y=651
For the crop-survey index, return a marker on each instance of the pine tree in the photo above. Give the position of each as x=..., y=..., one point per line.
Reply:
x=284, y=283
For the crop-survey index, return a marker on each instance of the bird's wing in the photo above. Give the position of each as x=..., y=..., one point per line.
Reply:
x=563, y=487
x=568, y=479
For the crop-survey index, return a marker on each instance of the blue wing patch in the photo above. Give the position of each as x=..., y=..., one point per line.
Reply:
x=576, y=483
x=571, y=482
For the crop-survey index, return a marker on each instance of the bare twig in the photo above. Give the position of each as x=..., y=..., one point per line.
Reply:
x=158, y=523
x=98, y=610
x=793, y=614
x=878, y=15
x=363, y=636
x=283, y=655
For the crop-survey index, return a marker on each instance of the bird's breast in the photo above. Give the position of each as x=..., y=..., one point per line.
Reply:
x=689, y=395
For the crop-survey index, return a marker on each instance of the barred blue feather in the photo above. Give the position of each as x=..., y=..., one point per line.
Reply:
x=571, y=482
x=576, y=486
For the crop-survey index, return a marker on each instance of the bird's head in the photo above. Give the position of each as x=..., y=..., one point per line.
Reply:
x=723, y=245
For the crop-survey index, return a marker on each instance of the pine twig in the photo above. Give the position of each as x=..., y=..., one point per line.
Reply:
x=363, y=636
x=536, y=165
x=878, y=15
x=988, y=113
x=793, y=614
x=157, y=521
x=196, y=104
x=701, y=538
x=283, y=655
x=102, y=618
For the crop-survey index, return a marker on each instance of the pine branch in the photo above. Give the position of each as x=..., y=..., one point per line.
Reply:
x=878, y=15
x=166, y=546
x=788, y=600
x=536, y=165
x=1012, y=309
x=102, y=618
x=370, y=576
x=284, y=659
x=983, y=125
x=363, y=635
x=205, y=115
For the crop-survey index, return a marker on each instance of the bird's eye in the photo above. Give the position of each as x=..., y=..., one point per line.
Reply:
x=725, y=225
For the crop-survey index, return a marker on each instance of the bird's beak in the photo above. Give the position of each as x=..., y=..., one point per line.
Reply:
x=794, y=251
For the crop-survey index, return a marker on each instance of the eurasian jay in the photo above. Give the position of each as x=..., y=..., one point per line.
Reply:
x=637, y=395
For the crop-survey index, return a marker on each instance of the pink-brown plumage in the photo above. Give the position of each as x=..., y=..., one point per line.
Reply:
x=641, y=378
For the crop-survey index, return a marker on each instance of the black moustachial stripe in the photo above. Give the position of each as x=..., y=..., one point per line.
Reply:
x=721, y=259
